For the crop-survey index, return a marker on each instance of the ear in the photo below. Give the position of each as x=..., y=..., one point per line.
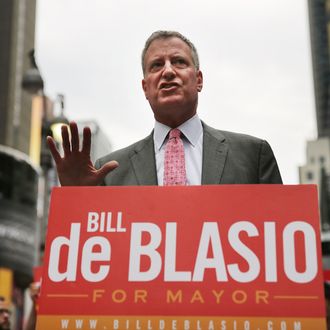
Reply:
x=144, y=87
x=199, y=84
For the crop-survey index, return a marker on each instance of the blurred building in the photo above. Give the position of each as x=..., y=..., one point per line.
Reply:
x=319, y=19
x=17, y=29
x=18, y=226
x=317, y=168
x=18, y=175
x=100, y=143
x=26, y=170
x=317, y=171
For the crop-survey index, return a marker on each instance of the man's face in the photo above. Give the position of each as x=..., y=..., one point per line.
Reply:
x=4, y=316
x=171, y=82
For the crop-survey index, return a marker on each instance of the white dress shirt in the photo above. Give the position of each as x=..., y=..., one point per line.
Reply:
x=192, y=138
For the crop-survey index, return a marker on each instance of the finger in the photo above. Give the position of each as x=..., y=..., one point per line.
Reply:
x=74, y=137
x=86, y=145
x=53, y=150
x=107, y=168
x=65, y=140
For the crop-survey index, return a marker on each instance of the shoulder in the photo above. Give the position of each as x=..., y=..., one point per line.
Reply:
x=127, y=152
x=231, y=137
x=241, y=146
x=248, y=159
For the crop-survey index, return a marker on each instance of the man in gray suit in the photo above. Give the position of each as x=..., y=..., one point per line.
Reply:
x=171, y=83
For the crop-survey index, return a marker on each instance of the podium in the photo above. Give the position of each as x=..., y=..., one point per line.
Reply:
x=196, y=257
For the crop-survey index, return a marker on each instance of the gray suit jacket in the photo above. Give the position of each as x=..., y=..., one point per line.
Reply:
x=228, y=158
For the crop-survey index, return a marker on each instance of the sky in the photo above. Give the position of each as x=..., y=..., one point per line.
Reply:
x=254, y=55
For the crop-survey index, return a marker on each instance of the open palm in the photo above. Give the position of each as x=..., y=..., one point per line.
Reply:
x=75, y=168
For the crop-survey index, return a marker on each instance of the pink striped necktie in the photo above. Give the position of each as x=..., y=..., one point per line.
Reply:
x=174, y=161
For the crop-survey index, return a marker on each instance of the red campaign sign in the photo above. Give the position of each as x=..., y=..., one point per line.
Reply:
x=326, y=275
x=37, y=274
x=198, y=257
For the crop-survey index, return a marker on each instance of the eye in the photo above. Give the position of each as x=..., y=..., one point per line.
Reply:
x=180, y=62
x=155, y=66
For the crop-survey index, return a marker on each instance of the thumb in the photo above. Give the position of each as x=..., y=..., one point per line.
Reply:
x=107, y=168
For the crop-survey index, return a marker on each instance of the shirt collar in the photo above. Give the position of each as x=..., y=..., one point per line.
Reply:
x=191, y=129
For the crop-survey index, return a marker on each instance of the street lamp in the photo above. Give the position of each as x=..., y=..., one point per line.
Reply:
x=32, y=81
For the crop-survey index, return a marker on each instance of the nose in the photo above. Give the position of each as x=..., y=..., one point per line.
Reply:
x=168, y=71
x=5, y=312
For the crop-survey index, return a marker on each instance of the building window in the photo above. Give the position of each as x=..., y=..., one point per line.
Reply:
x=309, y=175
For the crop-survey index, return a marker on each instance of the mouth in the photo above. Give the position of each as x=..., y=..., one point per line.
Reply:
x=168, y=86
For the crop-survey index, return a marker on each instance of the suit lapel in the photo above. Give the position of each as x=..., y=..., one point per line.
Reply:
x=215, y=151
x=143, y=162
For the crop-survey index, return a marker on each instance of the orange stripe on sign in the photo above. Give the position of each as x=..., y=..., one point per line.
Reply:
x=71, y=322
x=62, y=295
x=298, y=297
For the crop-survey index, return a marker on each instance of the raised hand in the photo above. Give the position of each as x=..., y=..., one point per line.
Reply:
x=75, y=168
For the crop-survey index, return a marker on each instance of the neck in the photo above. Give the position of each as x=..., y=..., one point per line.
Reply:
x=174, y=122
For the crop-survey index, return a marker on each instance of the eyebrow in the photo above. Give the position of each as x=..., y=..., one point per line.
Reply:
x=4, y=310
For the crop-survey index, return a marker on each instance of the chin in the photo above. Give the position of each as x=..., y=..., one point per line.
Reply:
x=170, y=101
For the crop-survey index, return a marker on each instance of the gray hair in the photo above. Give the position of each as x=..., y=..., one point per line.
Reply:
x=165, y=35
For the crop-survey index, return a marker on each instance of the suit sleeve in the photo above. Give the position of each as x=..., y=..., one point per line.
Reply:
x=268, y=168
